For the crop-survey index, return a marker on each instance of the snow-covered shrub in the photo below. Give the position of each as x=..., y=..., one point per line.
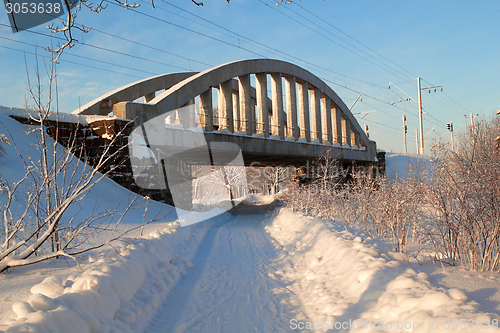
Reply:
x=41, y=203
x=464, y=192
x=382, y=207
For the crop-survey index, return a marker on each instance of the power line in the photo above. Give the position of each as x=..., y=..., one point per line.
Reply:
x=83, y=57
x=451, y=100
x=239, y=36
x=70, y=62
x=151, y=47
x=103, y=49
x=319, y=33
x=357, y=41
x=184, y=28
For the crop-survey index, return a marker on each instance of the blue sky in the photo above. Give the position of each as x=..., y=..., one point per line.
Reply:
x=357, y=47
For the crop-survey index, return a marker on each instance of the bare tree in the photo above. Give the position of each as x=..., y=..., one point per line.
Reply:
x=465, y=196
x=43, y=226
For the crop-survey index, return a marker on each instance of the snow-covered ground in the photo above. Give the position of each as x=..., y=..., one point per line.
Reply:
x=264, y=273
x=401, y=165
x=274, y=272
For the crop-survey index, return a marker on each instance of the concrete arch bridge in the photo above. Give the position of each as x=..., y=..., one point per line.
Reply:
x=276, y=112
x=264, y=112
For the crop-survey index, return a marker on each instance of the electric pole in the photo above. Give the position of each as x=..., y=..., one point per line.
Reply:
x=471, y=119
x=420, y=146
x=366, y=131
x=420, y=120
x=405, y=130
x=449, y=127
x=416, y=139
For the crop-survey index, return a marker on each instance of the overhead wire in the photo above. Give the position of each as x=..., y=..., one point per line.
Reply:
x=183, y=28
x=239, y=36
x=333, y=41
x=104, y=49
x=71, y=62
x=83, y=57
x=354, y=39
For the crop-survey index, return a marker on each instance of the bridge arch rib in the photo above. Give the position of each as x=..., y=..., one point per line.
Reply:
x=143, y=88
x=308, y=112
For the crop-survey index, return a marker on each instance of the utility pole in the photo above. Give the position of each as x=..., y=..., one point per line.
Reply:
x=366, y=131
x=416, y=139
x=420, y=147
x=449, y=127
x=471, y=119
x=405, y=130
x=420, y=120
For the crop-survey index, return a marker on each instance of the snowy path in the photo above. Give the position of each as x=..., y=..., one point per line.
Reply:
x=230, y=288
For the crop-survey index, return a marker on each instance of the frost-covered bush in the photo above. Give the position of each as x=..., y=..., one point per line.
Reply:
x=464, y=193
x=385, y=208
x=454, y=204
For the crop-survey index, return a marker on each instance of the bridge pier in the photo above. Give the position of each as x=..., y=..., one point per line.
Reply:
x=346, y=132
x=278, y=124
x=236, y=112
x=291, y=108
x=245, y=104
x=326, y=114
x=226, y=106
x=305, y=127
x=206, y=110
x=262, y=107
x=316, y=116
x=337, y=128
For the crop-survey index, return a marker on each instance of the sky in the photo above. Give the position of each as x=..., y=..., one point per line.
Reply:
x=356, y=47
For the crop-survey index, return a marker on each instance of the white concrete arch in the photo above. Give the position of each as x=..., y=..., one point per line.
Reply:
x=330, y=119
x=144, y=88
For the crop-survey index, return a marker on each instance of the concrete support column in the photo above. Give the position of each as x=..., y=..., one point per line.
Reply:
x=278, y=124
x=247, y=120
x=149, y=97
x=236, y=112
x=253, y=123
x=261, y=95
x=226, y=106
x=346, y=131
x=291, y=108
x=326, y=117
x=187, y=114
x=337, y=125
x=305, y=127
x=354, y=137
x=206, y=111
x=315, y=116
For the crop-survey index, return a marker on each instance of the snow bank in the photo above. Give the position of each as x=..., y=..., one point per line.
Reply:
x=341, y=276
x=402, y=165
x=258, y=199
x=118, y=291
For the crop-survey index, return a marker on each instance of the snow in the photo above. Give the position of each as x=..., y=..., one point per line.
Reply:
x=343, y=275
x=272, y=272
x=402, y=165
x=237, y=274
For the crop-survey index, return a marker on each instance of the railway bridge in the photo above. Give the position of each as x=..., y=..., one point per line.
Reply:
x=273, y=112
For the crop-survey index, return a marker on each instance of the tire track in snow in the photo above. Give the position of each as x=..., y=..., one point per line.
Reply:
x=230, y=289
x=170, y=312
